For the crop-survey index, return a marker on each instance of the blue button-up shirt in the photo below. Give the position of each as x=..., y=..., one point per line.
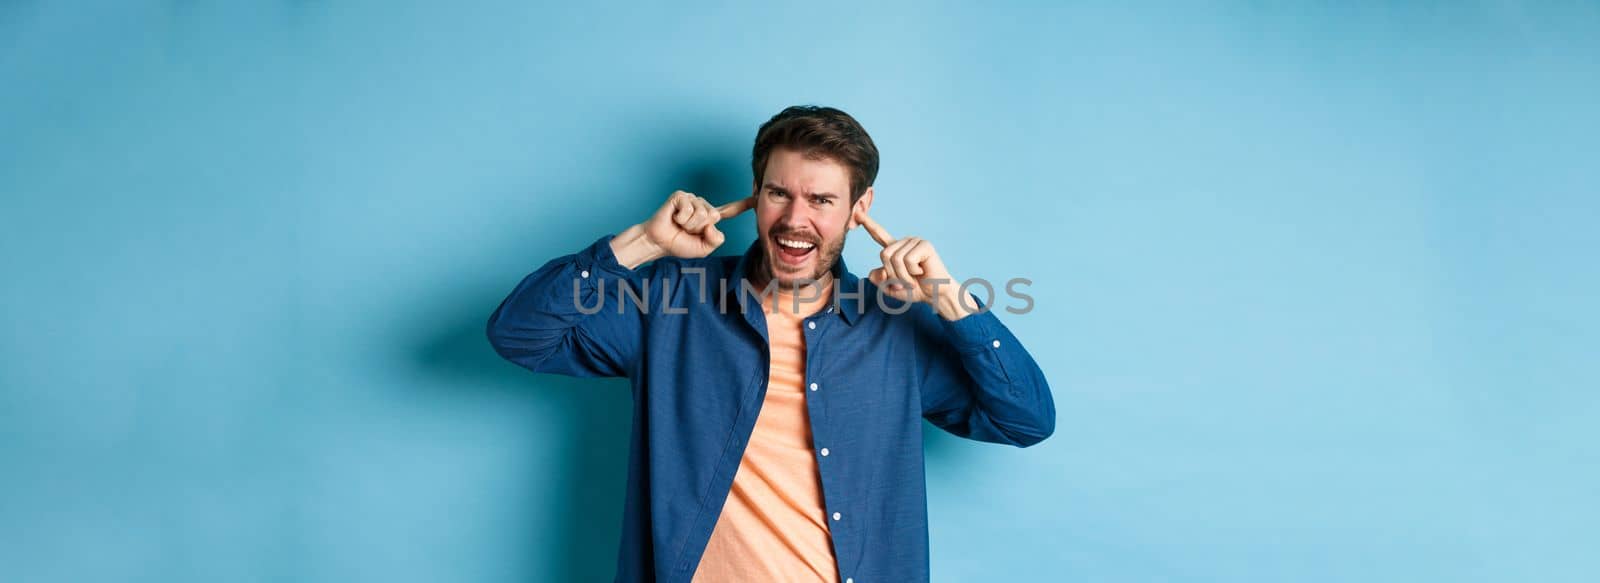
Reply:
x=698, y=364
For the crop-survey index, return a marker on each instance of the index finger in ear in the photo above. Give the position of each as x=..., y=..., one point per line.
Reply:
x=734, y=208
x=874, y=229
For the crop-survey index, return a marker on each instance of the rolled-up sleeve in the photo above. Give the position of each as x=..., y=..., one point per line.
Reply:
x=979, y=382
x=575, y=316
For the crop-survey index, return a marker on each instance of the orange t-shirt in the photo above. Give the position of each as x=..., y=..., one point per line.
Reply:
x=774, y=526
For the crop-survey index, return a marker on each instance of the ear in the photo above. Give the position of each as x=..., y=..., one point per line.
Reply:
x=863, y=204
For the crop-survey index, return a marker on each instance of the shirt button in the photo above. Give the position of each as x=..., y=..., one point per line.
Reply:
x=996, y=344
x=836, y=516
x=830, y=309
x=811, y=325
x=585, y=274
x=824, y=452
x=849, y=580
x=813, y=386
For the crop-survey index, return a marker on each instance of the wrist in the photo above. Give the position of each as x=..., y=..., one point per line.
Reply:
x=633, y=248
x=951, y=306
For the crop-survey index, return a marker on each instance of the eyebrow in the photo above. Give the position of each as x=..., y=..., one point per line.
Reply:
x=780, y=189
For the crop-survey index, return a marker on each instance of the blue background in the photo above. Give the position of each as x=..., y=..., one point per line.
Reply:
x=1315, y=284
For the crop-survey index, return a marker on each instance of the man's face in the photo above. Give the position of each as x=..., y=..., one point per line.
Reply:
x=803, y=212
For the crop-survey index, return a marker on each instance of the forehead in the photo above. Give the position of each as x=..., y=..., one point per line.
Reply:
x=792, y=170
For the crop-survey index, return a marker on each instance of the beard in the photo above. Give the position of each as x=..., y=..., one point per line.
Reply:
x=826, y=254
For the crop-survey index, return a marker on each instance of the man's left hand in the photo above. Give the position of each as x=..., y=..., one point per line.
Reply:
x=912, y=271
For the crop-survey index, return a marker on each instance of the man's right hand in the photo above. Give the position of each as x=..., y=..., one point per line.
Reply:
x=685, y=226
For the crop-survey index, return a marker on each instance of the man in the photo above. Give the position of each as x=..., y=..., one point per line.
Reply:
x=778, y=398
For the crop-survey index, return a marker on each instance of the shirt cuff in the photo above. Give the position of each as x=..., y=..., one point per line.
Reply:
x=974, y=332
x=599, y=257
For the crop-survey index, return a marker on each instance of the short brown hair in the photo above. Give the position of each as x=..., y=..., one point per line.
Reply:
x=819, y=132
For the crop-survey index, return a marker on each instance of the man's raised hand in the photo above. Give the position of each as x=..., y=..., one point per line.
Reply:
x=912, y=271
x=685, y=226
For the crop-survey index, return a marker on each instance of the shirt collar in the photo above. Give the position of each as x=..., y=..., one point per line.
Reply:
x=849, y=292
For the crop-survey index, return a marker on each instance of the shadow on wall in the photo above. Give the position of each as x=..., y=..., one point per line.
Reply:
x=587, y=509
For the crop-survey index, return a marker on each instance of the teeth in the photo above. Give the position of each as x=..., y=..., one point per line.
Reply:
x=795, y=244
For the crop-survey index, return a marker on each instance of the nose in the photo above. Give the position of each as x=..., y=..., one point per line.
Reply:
x=796, y=216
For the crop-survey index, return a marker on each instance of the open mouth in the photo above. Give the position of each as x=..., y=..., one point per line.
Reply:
x=794, y=251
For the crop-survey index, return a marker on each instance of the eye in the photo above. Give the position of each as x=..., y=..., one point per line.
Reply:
x=777, y=194
x=821, y=200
